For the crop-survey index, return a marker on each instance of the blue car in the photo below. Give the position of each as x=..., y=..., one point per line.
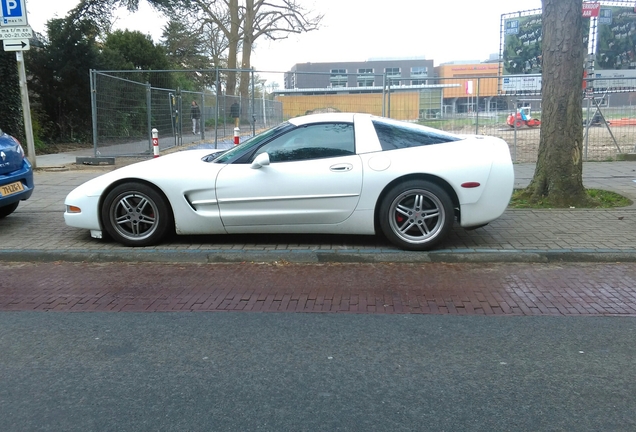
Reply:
x=16, y=175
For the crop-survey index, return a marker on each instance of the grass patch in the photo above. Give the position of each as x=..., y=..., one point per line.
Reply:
x=599, y=199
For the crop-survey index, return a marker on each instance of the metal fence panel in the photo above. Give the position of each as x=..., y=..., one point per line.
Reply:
x=128, y=104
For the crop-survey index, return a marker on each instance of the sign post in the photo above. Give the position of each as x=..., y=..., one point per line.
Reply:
x=15, y=33
x=26, y=108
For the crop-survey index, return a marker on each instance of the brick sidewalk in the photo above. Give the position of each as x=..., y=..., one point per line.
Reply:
x=36, y=232
x=464, y=289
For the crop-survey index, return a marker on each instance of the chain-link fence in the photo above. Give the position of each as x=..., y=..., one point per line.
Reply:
x=127, y=105
x=184, y=106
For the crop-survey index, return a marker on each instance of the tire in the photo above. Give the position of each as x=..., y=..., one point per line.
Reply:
x=135, y=214
x=416, y=215
x=8, y=209
x=518, y=124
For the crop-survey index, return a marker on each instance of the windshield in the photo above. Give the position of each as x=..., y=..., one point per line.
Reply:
x=251, y=143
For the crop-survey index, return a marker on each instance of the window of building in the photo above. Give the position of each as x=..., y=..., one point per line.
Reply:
x=418, y=82
x=364, y=80
x=419, y=71
x=392, y=72
x=338, y=78
x=393, y=76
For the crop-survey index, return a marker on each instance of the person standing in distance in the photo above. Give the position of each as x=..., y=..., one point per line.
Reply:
x=195, y=115
x=235, y=112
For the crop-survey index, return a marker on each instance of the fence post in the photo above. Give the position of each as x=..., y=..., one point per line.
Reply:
x=253, y=103
x=149, y=113
x=202, y=116
x=477, y=107
x=217, y=91
x=384, y=95
x=93, y=83
x=180, y=117
x=514, y=114
x=264, y=108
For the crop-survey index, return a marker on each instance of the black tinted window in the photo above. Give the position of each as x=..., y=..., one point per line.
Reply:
x=251, y=143
x=311, y=142
x=401, y=135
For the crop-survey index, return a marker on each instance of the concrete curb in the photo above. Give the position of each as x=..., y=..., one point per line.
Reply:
x=312, y=256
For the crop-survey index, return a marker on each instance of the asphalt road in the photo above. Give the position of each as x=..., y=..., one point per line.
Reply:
x=314, y=372
x=414, y=354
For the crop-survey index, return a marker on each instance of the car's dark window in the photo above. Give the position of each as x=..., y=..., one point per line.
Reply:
x=394, y=135
x=251, y=143
x=311, y=142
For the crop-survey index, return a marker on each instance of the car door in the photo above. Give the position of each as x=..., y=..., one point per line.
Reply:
x=313, y=177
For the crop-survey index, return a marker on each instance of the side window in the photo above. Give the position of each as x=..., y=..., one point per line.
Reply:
x=395, y=136
x=311, y=142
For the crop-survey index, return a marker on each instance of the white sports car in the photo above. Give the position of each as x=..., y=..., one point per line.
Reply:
x=336, y=173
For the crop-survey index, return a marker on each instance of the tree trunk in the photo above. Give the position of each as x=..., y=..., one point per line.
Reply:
x=558, y=178
x=233, y=41
x=248, y=42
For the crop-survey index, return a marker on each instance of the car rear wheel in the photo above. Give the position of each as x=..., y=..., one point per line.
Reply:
x=8, y=209
x=135, y=214
x=416, y=215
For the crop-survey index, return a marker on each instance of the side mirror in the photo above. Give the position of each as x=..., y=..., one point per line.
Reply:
x=260, y=161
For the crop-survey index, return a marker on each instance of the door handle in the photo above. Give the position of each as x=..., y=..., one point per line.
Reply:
x=341, y=167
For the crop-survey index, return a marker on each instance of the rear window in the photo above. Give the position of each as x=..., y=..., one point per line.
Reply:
x=398, y=135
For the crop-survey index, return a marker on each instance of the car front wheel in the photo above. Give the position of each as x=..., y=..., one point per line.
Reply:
x=416, y=215
x=135, y=214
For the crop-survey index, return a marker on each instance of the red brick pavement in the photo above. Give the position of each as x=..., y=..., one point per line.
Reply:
x=463, y=289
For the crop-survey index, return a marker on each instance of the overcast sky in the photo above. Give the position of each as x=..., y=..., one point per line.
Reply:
x=354, y=30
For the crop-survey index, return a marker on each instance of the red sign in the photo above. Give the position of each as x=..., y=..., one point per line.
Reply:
x=591, y=10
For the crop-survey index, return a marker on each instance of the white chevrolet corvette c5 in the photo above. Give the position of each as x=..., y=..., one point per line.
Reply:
x=336, y=173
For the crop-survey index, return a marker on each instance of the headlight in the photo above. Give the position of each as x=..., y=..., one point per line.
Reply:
x=18, y=146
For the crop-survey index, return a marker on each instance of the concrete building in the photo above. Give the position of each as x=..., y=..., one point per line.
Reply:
x=361, y=76
x=419, y=90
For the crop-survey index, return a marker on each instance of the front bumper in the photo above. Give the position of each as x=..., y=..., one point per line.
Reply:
x=25, y=176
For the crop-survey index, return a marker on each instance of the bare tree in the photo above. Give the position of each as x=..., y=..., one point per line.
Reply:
x=558, y=177
x=241, y=22
x=275, y=20
x=193, y=32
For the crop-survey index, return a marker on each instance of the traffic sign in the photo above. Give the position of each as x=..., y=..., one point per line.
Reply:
x=16, y=44
x=16, y=32
x=13, y=13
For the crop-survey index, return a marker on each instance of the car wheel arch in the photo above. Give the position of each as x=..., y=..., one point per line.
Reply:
x=425, y=177
x=133, y=180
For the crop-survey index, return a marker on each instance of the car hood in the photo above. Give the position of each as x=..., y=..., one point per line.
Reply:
x=160, y=171
x=10, y=154
x=165, y=165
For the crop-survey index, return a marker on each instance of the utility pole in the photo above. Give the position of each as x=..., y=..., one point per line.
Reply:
x=15, y=34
